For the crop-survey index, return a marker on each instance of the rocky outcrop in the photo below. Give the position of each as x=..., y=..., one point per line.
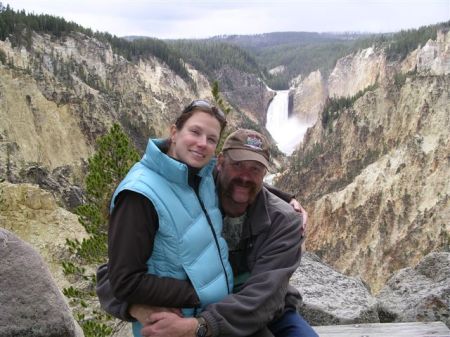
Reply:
x=420, y=293
x=433, y=58
x=331, y=298
x=34, y=216
x=32, y=304
x=59, y=182
x=247, y=92
x=308, y=97
x=352, y=74
x=356, y=72
x=375, y=177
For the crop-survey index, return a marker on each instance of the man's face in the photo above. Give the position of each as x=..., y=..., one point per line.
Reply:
x=240, y=181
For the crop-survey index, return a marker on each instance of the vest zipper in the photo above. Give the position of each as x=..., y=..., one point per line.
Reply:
x=216, y=241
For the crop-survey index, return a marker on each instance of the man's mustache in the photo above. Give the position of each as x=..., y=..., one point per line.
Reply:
x=243, y=183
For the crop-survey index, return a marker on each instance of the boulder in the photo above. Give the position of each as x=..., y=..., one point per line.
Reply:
x=32, y=305
x=332, y=298
x=421, y=293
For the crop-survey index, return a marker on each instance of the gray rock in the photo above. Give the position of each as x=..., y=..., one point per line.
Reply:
x=421, y=293
x=31, y=303
x=331, y=298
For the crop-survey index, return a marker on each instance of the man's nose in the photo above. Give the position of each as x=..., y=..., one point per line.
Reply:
x=245, y=175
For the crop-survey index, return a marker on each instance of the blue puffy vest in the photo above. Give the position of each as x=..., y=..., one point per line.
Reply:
x=185, y=246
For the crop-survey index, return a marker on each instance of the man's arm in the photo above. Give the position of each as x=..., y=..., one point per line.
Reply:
x=290, y=198
x=279, y=193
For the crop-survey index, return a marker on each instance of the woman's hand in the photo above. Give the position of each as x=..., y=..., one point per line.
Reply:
x=298, y=208
x=142, y=312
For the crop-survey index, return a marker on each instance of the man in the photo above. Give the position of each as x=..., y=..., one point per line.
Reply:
x=262, y=233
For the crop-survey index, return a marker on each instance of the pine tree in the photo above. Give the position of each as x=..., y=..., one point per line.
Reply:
x=107, y=167
x=218, y=99
x=220, y=102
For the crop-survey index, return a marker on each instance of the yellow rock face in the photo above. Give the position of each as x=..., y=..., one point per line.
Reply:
x=34, y=216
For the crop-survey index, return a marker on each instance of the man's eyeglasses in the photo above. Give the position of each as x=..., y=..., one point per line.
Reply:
x=205, y=106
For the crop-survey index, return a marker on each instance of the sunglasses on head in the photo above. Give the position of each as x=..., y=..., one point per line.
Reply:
x=205, y=106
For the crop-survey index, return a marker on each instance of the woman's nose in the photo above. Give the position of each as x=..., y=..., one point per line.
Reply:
x=202, y=141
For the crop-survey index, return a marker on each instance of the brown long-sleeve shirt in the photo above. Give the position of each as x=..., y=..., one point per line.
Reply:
x=132, y=229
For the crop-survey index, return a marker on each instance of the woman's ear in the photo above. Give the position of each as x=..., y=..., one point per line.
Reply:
x=173, y=132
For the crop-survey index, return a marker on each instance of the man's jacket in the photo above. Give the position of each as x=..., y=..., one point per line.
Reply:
x=271, y=240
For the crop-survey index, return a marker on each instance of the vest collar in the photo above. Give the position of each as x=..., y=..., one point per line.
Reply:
x=172, y=169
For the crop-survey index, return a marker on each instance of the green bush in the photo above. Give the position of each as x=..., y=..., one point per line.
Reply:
x=114, y=156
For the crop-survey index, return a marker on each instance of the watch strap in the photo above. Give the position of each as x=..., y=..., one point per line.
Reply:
x=202, y=327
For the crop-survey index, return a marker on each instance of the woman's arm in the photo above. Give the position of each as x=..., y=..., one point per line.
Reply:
x=132, y=229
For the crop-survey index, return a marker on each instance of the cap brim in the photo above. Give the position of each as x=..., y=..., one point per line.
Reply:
x=241, y=155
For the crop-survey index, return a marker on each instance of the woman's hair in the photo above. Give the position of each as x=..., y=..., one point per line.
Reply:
x=204, y=106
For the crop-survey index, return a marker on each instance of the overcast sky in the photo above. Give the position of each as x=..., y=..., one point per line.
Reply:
x=201, y=18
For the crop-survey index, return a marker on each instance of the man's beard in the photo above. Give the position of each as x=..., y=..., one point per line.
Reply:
x=238, y=182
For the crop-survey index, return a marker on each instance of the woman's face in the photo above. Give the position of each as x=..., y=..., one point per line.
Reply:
x=196, y=142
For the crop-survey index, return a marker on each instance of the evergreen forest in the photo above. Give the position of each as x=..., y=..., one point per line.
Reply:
x=298, y=53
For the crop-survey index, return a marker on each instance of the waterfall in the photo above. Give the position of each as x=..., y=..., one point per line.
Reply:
x=287, y=132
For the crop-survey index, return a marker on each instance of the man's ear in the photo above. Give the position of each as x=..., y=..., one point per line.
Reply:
x=220, y=159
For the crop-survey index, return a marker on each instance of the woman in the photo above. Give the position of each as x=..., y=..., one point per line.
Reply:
x=171, y=191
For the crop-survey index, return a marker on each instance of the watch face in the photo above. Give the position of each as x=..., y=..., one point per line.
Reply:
x=201, y=331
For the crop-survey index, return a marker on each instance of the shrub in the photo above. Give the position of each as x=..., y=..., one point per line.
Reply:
x=114, y=156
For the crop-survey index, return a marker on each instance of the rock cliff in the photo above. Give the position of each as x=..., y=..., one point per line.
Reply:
x=351, y=74
x=247, y=92
x=59, y=95
x=356, y=72
x=375, y=176
x=308, y=97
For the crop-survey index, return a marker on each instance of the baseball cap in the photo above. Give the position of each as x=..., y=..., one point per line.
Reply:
x=245, y=144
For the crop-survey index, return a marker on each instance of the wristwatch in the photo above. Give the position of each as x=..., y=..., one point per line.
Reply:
x=202, y=327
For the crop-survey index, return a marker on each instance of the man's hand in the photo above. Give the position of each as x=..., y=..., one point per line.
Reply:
x=142, y=312
x=298, y=208
x=166, y=324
